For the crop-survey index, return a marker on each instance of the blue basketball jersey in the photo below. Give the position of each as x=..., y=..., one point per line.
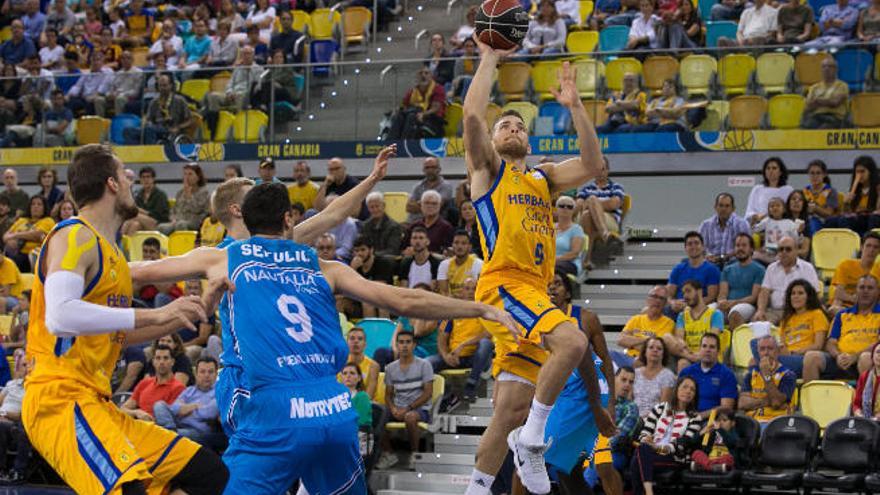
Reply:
x=228, y=357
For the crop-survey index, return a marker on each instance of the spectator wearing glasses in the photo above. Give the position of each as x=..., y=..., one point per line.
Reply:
x=651, y=323
x=782, y=272
x=569, y=238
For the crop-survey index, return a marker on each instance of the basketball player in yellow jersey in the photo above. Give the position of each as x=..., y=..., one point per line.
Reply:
x=80, y=320
x=514, y=211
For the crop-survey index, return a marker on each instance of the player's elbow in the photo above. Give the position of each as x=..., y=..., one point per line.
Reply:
x=56, y=324
x=406, y=303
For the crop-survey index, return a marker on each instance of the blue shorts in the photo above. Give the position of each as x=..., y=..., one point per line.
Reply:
x=232, y=395
x=573, y=429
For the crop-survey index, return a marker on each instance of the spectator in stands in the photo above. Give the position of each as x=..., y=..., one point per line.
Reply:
x=369, y=369
x=600, y=204
x=383, y=233
x=757, y=26
x=60, y=19
x=303, y=190
x=827, y=99
x=421, y=114
x=125, y=87
x=603, y=11
x=569, y=11
x=668, y=436
x=695, y=267
x=768, y=386
x=625, y=109
x=796, y=210
x=837, y=22
x=453, y=273
x=70, y=73
x=722, y=229
x=849, y=271
x=651, y=323
x=34, y=21
x=779, y=275
x=868, y=29
x=18, y=199
x=168, y=42
x=665, y=113
x=803, y=326
x=229, y=13
x=182, y=366
x=162, y=387
x=261, y=48
x=740, y=283
x=167, y=116
x=325, y=246
x=152, y=204
x=854, y=331
x=433, y=181
x=465, y=31
x=63, y=210
x=94, y=26
x=104, y=43
x=546, y=32
x=262, y=15
x=16, y=49
x=238, y=92
x=692, y=28
x=57, y=128
x=775, y=226
x=138, y=23
x=643, y=32
x=51, y=53
x=232, y=171
x=155, y=295
x=692, y=323
x=439, y=231
x=12, y=433
x=197, y=47
x=464, y=69
x=775, y=185
x=467, y=221
x=352, y=377
x=864, y=403
x=860, y=202
x=192, y=202
x=727, y=10
x=87, y=95
x=224, y=50
x=266, y=170
x=114, y=18
x=422, y=265
x=203, y=341
x=286, y=39
x=344, y=233
x=608, y=468
x=337, y=181
x=654, y=381
x=795, y=23
x=822, y=200
x=194, y=413
x=717, y=384
x=408, y=388
x=569, y=238
x=439, y=61
x=27, y=233
x=10, y=278
x=7, y=216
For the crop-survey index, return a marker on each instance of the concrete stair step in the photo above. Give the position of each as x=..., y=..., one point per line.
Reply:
x=456, y=443
x=444, y=463
x=599, y=304
x=639, y=259
x=457, y=421
x=654, y=274
x=620, y=291
x=428, y=482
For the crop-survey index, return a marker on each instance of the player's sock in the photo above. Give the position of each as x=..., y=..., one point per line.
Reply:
x=481, y=483
x=533, y=431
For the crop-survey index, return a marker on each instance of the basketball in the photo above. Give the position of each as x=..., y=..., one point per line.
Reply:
x=501, y=24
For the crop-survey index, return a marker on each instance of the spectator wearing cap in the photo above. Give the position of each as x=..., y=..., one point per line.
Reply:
x=267, y=172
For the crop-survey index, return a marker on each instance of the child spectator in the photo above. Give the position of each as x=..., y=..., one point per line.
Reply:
x=719, y=444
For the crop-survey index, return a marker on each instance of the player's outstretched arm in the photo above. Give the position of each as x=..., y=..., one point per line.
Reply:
x=407, y=302
x=334, y=214
x=572, y=173
x=194, y=264
x=479, y=153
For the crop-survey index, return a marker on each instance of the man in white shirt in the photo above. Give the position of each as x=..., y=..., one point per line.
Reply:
x=569, y=11
x=87, y=93
x=168, y=37
x=757, y=26
x=787, y=269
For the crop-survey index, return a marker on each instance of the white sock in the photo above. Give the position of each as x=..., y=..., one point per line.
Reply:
x=481, y=483
x=533, y=431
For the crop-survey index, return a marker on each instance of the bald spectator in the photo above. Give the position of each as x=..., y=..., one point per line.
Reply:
x=720, y=231
x=433, y=181
x=18, y=199
x=303, y=190
x=325, y=246
x=19, y=47
x=384, y=234
x=625, y=109
x=338, y=182
x=651, y=323
x=768, y=386
x=786, y=269
x=439, y=231
x=826, y=101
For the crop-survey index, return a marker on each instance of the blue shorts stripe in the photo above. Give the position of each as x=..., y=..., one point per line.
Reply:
x=537, y=319
x=165, y=454
x=524, y=357
x=518, y=310
x=90, y=448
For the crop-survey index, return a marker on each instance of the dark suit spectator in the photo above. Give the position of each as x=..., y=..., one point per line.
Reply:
x=440, y=232
x=152, y=204
x=383, y=233
x=286, y=39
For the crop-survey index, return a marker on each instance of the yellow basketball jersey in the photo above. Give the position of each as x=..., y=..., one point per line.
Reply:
x=516, y=227
x=88, y=360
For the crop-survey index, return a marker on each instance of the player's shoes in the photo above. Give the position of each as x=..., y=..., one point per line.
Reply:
x=529, y=462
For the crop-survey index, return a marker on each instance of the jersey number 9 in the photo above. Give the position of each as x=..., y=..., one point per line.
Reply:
x=301, y=324
x=539, y=253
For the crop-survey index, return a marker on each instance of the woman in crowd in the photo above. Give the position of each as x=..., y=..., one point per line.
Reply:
x=860, y=202
x=230, y=15
x=654, y=380
x=263, y=16
x=803, y=326
x=49, y=189
x=27, y=233
x=821, y=197
x=569, y=238
x=467, y=220
x=868, y=29
x=643, y=33
x=352, y=378
x=466, y=30
x=546, y=32
x=464, y=69
x=63, y=210
x=439, y=60
x=232, y=171
x=775, y=185
x=797, y=211
x=865, y=403
x=192, y=202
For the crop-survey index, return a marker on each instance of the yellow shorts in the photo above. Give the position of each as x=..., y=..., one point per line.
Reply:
x=94, y=446
x=602, y=452
x=532, y=309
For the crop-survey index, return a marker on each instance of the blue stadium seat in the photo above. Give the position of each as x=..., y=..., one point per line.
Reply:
x=817, y=5
x=613, y=38
x=717, y=29
x=379, y=332
x=120, y=123
x=705, y=8
x=560, y=115
x=322, y=52
x=854, y=65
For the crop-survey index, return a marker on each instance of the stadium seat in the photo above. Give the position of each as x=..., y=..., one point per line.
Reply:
x=787, y=445
x=493, y=113
x=817, y=5
x=140, y=56
x=561, y=116
x=181, y=242
x=545, y=77
x=705, y=8
x=513, y=80
x=854, y=67
x=772, y=71
x=740, y=346
x=748, y=432
x=580, y=42
x=734, y=72
x=808, y=68
x=5, y=33
x=225, y=122
x=323, y=53
x=120, y=123
x=615, y=70
x=91, y=129
x=220, y=81
x=439, y=389
x=585, y=9
x=301, y=20
x=379, y=330
x=250, y=126
x=356, y=23
x=746, y=112
x=322, y=23
x=830, y=247
x=848, y=445
x=527, y=110
x=6, y=328
x=454, y=112
x=785, y=111
x=137, y=243
x=195, y=89
x=395, y=206
x=625, y=207
x=716, y=114
x=613, y=38
x=696, y=73
x=826, y=400
x=657, y=70
x=589, y=72
x=596, y=111
x=865, y=109
x=717, y=29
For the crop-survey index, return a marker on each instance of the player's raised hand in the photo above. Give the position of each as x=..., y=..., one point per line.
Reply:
x=488, y=50
x=567, y=94
x=186, y=310
x=492, y=313
x=380, y=165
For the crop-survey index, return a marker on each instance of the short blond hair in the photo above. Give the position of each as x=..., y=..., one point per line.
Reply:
x=228, y=193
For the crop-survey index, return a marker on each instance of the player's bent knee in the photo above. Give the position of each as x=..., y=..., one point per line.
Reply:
x=566, y=338
x=204, y=474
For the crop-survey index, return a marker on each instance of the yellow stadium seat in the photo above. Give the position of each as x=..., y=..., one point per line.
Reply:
x=125, y=243
x=195, y=89
x=772, y=71
x=454, y=113
x=808, y=68
x=625, y=207
x=225, y=122
x=513, y=79
x=493, y=113
x=740, y=346
x=865, y=109
x=181, y=242
x=137, y=243
x=734, y=72
x=25, y=282
x=596, y=111
x=527, y=110
x=322, y=23
x=696, y=72
x=6, y=326
x=5, y=33
x=785, y=111
x=716, y=112
x=249, y=126
x=657, y=70
x=91, y=129
x=140, y=56
x=395, y=206
x=747, y=111
x=220, y=81
x=826, y=400
x=831, y=246
x=587, y=77
x=586, y=8
x=615, y=70
x=582, y=42
x=545, y=78
x=456, y=373
x=301, y=20
x=356, y=24
x=439, y=388
x=725, y=340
